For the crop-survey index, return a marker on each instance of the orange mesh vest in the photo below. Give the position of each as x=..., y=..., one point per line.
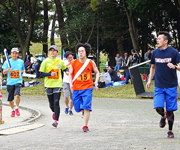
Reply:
x=84, y=81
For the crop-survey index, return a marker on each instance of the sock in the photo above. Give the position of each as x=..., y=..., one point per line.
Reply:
x=16, y=107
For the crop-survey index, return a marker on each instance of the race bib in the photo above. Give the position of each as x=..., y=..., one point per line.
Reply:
x=85, y=76
x=14, y=74
x=56, y=74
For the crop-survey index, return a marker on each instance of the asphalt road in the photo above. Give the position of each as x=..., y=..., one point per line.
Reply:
x=114, y=124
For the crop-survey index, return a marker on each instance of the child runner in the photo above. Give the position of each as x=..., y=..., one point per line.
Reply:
x=50, y=69
x=81, y=82
x=66, y=86
x=14, y=80
x=163, y=65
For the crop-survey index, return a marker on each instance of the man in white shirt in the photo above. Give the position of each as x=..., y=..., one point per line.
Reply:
x=66, y=86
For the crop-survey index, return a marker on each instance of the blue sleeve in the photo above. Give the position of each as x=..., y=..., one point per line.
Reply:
x=42, y=74
x=152, y=58
x=177, y=57
x=42, y=58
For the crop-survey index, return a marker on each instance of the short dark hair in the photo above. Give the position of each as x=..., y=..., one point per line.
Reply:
x=87, y=47
x=133, y=50
x=166, y=36
x=105, y=70
x=68, y=53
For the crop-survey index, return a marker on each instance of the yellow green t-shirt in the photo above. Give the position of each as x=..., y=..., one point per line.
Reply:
x=56, y=81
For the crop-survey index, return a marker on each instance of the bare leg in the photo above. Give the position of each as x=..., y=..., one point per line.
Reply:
x=17, y=100
x=71, y=104
x=86, y=117
x=11, y=103
x=66, y=100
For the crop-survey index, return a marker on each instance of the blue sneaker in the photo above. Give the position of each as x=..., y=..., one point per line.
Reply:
x=66, y=110
x=70, y=112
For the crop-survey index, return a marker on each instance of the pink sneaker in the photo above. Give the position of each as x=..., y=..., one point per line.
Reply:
x=53, y=116
x=17, y=112
x=13, y=114
x=55, y=124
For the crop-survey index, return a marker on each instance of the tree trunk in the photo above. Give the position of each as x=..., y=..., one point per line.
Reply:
x=45, y=28
x=53, y=29
x=16, y=21
x=120, y=46
x=61, y=24
x=132, y=29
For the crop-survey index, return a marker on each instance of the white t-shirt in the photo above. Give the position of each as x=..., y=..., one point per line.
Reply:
x=66, y=77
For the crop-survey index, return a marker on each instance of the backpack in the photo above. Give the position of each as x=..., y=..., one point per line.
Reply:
x=145, y=77
x=101, y=84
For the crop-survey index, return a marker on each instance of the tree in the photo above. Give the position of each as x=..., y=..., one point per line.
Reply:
x=20, y=13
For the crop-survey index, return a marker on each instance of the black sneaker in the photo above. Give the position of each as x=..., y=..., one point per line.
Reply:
x=170, y=134
x=162, y=122
x=85, y=129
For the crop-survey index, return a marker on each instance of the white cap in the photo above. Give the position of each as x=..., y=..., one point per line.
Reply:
x=14, y=50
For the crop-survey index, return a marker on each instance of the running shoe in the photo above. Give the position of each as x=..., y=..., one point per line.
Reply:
x=55, y=124
x=66, y=110
x=85, y=129
x=170, y=134
x=17, y=112
x=162, y=122
x=70, y=112
x=53, y=116
x=13, y=114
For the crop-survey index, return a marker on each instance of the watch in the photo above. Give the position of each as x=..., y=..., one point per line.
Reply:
x=175, y=67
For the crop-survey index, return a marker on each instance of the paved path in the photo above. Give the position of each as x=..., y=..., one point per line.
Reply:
x=114, y=124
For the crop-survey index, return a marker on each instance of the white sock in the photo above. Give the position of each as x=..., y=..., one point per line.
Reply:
x=16, y=107
x=13, y=109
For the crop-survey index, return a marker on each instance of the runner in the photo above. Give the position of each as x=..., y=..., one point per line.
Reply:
x=163, y=65
x=81, y=82
x=14, y=80
x=50, y=69
x=66, y=86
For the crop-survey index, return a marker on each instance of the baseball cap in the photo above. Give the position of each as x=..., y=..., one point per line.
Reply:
x=14, y=50
x=53, y=46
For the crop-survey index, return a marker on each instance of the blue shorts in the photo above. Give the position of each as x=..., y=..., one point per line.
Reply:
x=168, y=95
x=82, y=99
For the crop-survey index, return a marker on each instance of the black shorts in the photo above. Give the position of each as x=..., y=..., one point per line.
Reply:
x=13, y=90
x=50, y=91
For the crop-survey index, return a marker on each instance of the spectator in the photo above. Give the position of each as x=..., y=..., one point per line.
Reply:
x=135, y=58
x=139, y=56
x=113, y=74
x=105, y=77
x=125, y=65
x=118, y=60
x=146, y=55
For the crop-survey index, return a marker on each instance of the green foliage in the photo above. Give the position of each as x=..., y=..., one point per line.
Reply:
x=94, y=4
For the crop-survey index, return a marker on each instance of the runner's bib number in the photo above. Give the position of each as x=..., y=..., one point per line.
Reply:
x=14, y=74
x=56, y=76
x=85, y=76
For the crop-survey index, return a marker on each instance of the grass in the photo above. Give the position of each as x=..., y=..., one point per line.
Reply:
x=37, y=48
x=122, y=92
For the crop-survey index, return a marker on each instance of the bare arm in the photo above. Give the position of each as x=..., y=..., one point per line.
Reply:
x=96, y=71
x=6, y=71
x=70, y=78
x=151, y=75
